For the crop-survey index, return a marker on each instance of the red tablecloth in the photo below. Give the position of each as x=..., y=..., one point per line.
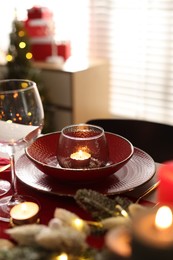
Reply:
x=48, y=203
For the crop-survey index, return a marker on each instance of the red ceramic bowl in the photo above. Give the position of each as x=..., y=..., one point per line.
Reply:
x=43, y=153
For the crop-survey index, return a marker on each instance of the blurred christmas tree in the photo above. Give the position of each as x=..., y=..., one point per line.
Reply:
x=19, y=56
x=20, y=66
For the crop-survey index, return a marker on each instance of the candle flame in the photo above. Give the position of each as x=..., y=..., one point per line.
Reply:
x=80, y=155
x=163, y=218
x=62, y=256
x=23, y=206
x=80, y=152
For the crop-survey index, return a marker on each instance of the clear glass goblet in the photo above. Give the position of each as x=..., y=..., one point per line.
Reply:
x=21, y=121
x=4, y=185
x=82, y=146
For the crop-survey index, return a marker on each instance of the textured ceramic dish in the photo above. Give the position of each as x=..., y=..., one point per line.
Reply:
x=43, y=153
x=135, y=173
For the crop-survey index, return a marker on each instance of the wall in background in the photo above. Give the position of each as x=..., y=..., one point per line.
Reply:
x=71, y=21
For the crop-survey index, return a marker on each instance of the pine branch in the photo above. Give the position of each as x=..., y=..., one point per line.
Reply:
x=99, y=205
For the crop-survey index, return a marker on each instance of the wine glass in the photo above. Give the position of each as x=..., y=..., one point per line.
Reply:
x=21, y=121
x=82, y=146
x=4, y=185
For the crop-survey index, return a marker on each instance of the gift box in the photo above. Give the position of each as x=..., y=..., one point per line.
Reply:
x=41, y=51
x=64, y=50
x=39, y=27
x=37, y=12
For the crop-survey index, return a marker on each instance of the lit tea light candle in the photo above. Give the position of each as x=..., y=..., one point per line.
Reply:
x=118, y=241
x=62, y=256
x=80, y=159
x=165, y=188
x=153, y=235
x=24, y=213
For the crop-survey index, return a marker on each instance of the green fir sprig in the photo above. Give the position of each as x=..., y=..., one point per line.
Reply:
x=100, y=206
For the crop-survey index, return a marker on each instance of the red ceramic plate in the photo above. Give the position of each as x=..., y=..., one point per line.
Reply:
x=43, y=153
x=136, y=172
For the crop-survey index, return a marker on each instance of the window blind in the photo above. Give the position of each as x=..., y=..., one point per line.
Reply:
x=137, y=38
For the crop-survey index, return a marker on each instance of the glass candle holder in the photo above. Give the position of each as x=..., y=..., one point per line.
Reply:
x=82, y=146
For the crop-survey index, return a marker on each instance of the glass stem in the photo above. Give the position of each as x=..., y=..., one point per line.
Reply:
x=13, y=176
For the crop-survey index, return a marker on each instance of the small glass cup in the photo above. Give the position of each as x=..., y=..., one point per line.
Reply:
x=82, y=146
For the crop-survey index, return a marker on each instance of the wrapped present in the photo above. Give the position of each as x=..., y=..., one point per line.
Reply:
x=64, y=50
x=41, y=51
x=39, y=27
x=37, y=12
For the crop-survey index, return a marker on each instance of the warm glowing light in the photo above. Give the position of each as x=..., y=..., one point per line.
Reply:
x=163, y=218
x=24, y=210
x=2, y=97
x=62, y=256
x=24, y=84
x=23, y=207
x=29, y=55
x=29, y=114
x=9, y=121
x=122, y=211
x=80, y=155
x=9, y=57
x=21, y=33
x=22, y=45
x=17, y=114
x=78, y=223
x=20, y=118
x=15, y=95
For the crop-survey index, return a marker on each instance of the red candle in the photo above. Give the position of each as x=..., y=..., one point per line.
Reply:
x=165, y=188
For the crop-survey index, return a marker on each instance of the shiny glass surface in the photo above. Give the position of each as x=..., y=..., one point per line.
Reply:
x=21, y=121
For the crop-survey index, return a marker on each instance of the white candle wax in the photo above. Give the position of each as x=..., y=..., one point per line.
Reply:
x=24, y=213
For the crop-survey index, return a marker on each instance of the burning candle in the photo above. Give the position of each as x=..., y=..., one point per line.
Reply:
x=167, y=213
x=82, y=146
x=24, y=213
x=118, y=241
x=165, y=176
x=62, y=256
x=153, y=235
x=80, y=159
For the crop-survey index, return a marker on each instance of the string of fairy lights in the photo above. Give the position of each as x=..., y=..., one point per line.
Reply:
x=22, y=45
